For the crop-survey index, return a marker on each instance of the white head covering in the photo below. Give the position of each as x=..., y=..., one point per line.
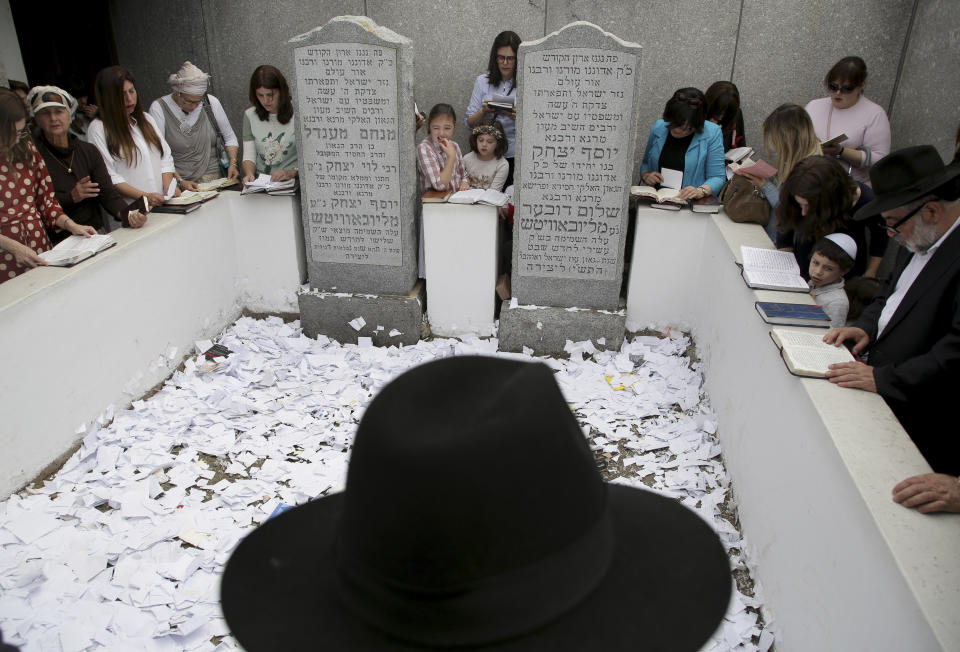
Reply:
x=189, y=79
x=845, y=242
x=40, y=97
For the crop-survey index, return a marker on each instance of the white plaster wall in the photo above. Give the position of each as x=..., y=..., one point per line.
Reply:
x=105, y=331
x=11, y=61
x=271, y=259
x=460, y=254
x=841, y=566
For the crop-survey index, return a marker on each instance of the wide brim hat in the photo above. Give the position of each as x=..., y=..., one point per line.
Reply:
x=474, y=518
x=905, y=176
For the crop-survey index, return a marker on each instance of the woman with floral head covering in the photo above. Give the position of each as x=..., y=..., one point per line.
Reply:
x=193, y=122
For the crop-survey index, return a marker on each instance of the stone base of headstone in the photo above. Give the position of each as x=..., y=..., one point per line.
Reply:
x=330, y=314
x=546, y=329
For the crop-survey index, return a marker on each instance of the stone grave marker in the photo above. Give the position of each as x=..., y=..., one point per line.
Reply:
x=353, y=94
x=576, y=139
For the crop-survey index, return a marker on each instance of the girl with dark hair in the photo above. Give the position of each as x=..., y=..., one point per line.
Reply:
x=269, y=128
x=820, y=198
x=684, y=140
x=723, y=108
x=439, y=160
x=499, y=84
x=847, y=111
x=27, y=202
x=136, y=156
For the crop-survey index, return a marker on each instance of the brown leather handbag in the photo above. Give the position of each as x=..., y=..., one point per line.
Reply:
x=744, y=202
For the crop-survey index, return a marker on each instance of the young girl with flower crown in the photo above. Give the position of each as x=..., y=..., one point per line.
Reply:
x=485, y=165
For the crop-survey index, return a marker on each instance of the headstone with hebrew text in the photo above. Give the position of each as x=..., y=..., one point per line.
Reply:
x=353, y=88
x=576, y=135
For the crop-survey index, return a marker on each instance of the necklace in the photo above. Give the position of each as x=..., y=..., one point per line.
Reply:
x=67, y=166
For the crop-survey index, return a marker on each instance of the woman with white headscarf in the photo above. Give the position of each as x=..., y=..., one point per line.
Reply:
x=192, y=127
x=80, y=179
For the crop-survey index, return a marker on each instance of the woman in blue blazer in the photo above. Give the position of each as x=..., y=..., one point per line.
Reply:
x=683, y=140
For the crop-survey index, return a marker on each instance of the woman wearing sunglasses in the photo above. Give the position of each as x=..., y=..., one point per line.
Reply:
x=846, y=111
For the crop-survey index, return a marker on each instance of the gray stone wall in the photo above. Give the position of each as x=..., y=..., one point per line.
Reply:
x=775, y=50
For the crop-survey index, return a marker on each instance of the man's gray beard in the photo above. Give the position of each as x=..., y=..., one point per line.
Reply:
x=924, y=236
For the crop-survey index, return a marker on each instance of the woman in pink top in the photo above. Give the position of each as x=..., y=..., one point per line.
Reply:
x=847, y=111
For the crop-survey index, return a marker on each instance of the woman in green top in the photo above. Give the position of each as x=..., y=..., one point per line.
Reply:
x=269, y=130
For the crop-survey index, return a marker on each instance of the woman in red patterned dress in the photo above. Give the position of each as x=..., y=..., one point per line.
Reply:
x=26, y=195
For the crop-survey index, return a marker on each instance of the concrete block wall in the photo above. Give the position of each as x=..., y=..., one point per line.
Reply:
x=775, y=50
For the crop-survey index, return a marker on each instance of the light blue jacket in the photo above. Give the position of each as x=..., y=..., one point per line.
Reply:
x=704, y=158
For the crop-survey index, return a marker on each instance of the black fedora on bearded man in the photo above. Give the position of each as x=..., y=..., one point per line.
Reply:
x=905, y=176
x=474, y=517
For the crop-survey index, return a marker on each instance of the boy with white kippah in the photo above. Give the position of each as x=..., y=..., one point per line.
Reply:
x=832, y=257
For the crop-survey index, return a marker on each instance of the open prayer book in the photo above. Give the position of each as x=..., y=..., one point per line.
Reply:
x=769, y=269
x=805, y=353
x=263, y=184
x=759, y=168
x=479, y=196
x=664, y=195
x=188, y=197
x=76, y=248
x=216, y=184
x=738, y=154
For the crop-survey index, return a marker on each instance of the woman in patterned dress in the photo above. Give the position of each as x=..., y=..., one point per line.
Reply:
x=27, y=202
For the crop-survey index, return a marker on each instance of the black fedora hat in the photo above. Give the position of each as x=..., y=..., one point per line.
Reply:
x=905, y=176
x=474, y=517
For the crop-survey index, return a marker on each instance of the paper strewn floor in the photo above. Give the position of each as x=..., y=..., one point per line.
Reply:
x=122, y=549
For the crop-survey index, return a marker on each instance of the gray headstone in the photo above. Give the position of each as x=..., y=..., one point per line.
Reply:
x=576, y=138
x=353, y=84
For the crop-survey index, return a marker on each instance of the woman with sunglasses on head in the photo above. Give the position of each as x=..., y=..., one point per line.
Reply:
x=191, y=122
x=81, y=182
x=132, y=145
x=27, y=202
x=500, y=79
x=684, y=140
x=846, y=111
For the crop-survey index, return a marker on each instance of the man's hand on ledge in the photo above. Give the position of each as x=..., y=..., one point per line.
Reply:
x=852, y=374
x=930, y=492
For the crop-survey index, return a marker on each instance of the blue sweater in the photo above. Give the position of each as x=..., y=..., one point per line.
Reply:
x=704, y=158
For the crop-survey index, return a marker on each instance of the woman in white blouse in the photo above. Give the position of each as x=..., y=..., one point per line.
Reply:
x=498, y=84
x=137, y=157
x=192, y=121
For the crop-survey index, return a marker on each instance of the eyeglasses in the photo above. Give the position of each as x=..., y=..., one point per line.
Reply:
x=846, y=89
x=892, y=229
x=505, y=58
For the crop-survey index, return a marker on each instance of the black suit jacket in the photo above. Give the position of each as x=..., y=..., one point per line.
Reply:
x=916, y=359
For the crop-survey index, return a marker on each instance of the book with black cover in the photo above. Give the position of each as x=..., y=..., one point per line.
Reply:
x=792, y=314
x=181, y=209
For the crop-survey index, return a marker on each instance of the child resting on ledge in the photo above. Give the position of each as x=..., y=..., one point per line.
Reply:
x=438, y=157
x=832, y=257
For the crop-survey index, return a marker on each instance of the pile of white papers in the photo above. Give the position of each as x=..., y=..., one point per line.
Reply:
x=123, y=548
